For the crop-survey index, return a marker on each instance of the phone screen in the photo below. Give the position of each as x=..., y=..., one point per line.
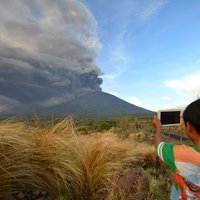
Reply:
x=170, y=117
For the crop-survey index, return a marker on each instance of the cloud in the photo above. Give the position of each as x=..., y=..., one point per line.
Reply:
x=7, y=103
x=149, y=9
x=134, y=100
x=187, y=86
x=126, y=15
x=48, y=50
x=166, y=98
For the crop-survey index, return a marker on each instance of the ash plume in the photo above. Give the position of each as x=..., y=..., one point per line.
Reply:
x=48, y=50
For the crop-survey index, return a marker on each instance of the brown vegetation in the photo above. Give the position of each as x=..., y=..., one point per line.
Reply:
x=67, y=165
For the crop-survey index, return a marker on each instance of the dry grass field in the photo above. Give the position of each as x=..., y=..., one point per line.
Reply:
x=68, y=165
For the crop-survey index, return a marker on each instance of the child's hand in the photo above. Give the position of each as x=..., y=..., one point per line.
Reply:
x=156, y=122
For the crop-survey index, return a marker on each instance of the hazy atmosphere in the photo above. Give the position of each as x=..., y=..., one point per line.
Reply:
x=145, y=52
x=47, y=52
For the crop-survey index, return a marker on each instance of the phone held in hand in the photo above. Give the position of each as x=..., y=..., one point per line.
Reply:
x=170, y=117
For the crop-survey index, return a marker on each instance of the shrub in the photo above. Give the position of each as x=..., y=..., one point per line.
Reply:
x=57, y=159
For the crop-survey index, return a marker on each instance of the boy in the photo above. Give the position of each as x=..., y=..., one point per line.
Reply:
x=183, y=160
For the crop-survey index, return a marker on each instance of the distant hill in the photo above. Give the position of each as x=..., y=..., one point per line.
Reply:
x=96, y=105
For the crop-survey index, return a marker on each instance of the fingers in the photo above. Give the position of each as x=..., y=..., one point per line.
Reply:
x=156, y=121
x=155, y=118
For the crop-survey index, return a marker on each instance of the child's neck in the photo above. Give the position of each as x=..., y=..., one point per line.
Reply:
x=197, y=142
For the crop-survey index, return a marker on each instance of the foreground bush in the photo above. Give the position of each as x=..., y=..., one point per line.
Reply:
x=58, y=160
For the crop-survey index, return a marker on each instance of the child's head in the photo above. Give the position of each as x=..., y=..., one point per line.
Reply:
x=192, y=115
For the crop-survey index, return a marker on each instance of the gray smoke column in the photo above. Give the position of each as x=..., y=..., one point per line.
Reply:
x=47, y=51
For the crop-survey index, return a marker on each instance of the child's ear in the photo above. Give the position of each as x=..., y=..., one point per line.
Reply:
x=190, y=127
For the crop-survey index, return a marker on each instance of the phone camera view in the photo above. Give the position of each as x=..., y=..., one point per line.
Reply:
x=170, y=117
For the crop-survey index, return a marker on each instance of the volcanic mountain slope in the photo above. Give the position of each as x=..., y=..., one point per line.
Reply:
x=96, y=105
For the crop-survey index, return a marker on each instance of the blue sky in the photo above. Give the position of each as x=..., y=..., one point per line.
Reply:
x=150, y=50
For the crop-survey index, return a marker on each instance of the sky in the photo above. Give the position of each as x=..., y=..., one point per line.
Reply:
x=146, y=52
x=150, y=54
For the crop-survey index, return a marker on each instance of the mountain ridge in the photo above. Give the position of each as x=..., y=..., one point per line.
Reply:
x=96, y=105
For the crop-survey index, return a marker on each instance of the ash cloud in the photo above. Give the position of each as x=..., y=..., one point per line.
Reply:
x=47, y=52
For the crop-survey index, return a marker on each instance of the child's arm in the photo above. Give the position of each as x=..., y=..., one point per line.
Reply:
x=157, y=125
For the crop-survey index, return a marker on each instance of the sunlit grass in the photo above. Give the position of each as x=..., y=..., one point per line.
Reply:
x=57, y=159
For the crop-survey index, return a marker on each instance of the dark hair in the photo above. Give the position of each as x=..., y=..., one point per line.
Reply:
x=192, y=114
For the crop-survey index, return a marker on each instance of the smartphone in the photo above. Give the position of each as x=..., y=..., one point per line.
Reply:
x=169, y=117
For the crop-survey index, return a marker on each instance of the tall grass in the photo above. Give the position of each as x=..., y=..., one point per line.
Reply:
x=60, y=161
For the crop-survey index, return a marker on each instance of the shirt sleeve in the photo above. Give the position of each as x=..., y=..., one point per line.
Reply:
x=166, y=153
